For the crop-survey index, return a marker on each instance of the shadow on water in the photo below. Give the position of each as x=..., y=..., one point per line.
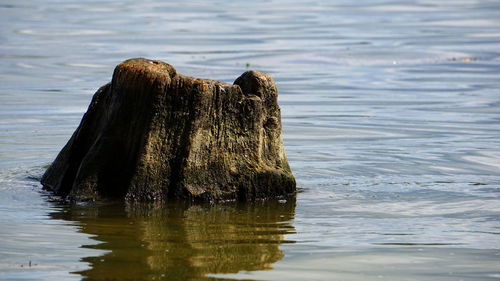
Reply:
x=180, y=241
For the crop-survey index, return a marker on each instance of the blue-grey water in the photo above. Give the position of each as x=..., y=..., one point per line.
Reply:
x=391, y=124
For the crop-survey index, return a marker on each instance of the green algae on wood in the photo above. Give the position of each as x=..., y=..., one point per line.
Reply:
x=154, y=135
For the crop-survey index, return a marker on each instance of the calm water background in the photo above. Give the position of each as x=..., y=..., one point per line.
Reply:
x=391, y=122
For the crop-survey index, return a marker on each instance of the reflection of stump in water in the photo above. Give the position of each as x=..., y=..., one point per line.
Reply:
x=181, y=241
x=220, y=239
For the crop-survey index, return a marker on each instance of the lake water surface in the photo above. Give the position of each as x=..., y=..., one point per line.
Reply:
x=391, y=124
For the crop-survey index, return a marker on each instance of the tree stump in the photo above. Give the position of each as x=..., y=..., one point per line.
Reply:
x=154, y=135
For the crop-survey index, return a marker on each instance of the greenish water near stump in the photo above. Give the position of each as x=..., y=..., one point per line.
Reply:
x=179, y=241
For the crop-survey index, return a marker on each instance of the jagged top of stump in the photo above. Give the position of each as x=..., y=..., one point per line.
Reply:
x=156, y=71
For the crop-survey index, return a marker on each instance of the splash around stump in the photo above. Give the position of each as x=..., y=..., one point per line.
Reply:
x=152, y=134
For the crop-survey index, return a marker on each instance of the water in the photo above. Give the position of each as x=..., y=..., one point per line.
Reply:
x=391, y=115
